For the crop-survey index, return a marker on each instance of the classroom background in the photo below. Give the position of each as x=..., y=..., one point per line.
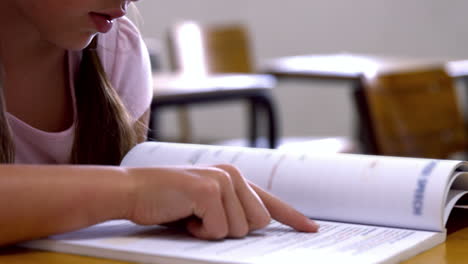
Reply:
x=418, y=28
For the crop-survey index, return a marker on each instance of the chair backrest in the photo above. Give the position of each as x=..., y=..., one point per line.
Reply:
x=211, y=48
x=228, y=49
x=416, y=113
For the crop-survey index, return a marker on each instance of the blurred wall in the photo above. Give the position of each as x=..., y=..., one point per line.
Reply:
x=279, y=28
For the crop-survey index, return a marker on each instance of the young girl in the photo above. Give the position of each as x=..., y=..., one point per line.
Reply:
x=76, y=89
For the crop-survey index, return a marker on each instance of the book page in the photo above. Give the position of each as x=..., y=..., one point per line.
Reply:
x=376, y=190
x=334, y=243
x=453, y=197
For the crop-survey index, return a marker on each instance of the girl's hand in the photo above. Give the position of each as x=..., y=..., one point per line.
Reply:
x=217, y=202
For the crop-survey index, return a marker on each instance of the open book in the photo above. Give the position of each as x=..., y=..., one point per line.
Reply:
x=372, y=209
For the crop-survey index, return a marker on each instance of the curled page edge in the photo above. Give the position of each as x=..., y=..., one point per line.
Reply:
x=452, y=198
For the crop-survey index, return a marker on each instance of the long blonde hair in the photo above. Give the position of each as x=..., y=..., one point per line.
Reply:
x=104, y=131
x=7, y=150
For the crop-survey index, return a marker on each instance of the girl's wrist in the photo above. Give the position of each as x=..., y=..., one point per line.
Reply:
x=115, y=194
x=126, y=194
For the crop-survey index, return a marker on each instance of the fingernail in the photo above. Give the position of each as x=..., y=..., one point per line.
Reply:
x=315, y=226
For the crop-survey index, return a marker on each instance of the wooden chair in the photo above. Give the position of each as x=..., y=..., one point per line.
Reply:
x=415, y=113
x=197, y=50
x=228, y=49
x=225, y=48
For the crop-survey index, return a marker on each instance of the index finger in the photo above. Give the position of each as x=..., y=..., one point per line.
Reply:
x=284, y=213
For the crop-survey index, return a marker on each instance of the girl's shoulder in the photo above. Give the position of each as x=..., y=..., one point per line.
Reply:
x=122, y=41
x=125, y=59
x=123, y=37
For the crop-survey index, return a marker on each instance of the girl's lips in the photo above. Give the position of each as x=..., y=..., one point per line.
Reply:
x=102, y=22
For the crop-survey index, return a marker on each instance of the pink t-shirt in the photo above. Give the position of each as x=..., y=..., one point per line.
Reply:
x=125, y=59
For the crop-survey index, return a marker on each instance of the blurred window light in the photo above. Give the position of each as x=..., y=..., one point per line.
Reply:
x=190, y=46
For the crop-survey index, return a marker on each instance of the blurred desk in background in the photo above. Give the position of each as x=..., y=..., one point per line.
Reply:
x=352, y=67
x=176, y=90
x=356, y=68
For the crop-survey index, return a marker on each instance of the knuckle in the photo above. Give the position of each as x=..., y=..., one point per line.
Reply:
x=217, y=234
x=223, y=177
x=233, y=172
x=221, y=234
x=242, y=232
x=260, y=221
x=208, y=188
x=229, y=168
x=265, y=220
